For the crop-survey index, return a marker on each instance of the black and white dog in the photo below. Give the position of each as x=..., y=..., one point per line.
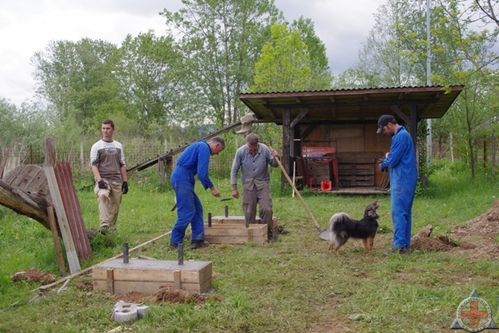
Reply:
x=342, y=227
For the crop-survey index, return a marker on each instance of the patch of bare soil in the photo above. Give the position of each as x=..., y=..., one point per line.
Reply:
x=33, y=275
x=133, y=297
x=476, y=237
x=172, y=295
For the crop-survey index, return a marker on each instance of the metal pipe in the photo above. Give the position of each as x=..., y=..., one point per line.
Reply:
x=226, y=211
x=209, y=220
x=125, y=253
x=180, y=255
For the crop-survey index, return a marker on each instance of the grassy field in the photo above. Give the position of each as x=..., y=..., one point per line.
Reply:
x=293, y=285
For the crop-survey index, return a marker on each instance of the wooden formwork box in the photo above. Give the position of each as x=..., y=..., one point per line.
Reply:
x=232, y=230
x=147, y=276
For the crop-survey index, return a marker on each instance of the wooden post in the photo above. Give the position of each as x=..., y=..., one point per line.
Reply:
x=286, y=131
x=294, y=178
x=57, y=242
x=110, y=280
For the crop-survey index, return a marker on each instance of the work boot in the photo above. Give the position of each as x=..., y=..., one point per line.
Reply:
x=173, y=246
x=403, y=250
x=198, y=244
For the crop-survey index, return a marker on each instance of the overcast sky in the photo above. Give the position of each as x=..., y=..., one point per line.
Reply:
x=27, y=26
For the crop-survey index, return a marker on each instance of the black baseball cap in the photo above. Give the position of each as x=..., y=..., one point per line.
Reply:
x=383, y=120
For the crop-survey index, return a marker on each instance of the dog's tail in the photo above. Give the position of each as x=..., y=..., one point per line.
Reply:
x=337, y=224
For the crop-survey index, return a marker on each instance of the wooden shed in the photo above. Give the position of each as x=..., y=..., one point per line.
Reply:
x=329, y=136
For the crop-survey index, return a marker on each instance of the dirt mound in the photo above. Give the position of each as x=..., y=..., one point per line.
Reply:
x=171, y=295
x=477, y=237
x=132, y=297
x=33, y=275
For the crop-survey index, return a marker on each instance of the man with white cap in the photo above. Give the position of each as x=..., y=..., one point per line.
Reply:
x=402, y=166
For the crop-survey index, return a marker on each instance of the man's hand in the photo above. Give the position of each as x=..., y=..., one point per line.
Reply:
x=382, y=168
x=102, y=184
x=124, y=188
x=215, y=192
x=273, y=152
x=235, y=194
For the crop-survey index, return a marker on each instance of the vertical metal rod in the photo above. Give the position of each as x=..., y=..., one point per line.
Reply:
x=226, y=211
x=246, y=223
x=209, y=220
x=125, y=253
x=180, y=255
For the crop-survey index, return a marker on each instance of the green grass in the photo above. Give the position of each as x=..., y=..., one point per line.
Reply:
x=293, y=285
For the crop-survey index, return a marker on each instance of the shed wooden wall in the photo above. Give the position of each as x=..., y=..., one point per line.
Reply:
x=358, y=147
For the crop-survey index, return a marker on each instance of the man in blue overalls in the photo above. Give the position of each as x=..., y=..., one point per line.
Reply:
x=193, y=161
x=401, y=163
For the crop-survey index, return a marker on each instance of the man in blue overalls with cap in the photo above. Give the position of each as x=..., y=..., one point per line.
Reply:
x=193, y=161
x=401, y=163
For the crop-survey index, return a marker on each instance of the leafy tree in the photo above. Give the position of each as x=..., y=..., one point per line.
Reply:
x=284, y=63
x=395, y=54
x=220, y=41
x=317, y=51
x=21, y=127
x=77, y=77
x=464, y=55
x=149, y=80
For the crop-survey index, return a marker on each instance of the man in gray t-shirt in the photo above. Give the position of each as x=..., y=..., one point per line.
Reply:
x=253, y=159
x=109, y=169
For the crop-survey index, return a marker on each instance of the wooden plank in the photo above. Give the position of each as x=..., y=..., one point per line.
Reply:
x=57, y=242
x=234, y=239
x=149, y=287
x=177, y=283
x=229, y=230
x=62, y=220
x=89, y=269
x=229, y=219
x=110, y=280
x=155, y=270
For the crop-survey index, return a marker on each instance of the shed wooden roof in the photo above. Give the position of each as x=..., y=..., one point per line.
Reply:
x=352, y=105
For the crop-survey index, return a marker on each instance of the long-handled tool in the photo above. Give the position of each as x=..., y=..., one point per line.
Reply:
x=314, y=220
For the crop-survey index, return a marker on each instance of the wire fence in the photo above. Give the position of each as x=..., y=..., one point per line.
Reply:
x=137, y=151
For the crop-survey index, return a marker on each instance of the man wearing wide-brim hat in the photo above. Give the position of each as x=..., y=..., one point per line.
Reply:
x=402, y=166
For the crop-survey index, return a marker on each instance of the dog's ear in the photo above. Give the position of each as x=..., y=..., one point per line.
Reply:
x=372, y=206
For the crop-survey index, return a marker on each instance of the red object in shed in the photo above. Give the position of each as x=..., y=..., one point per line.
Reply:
x=326, y=186
x=315, y=160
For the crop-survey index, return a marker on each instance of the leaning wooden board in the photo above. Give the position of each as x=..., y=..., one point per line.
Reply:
x=147, y=276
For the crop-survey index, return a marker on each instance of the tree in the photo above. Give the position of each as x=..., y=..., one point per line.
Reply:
x=465, y=55
x=489, y=8
x=321, y=75
x=220, y=41
x=462, y=53
x=284, y=63
x=77, y=77
x=149, y=80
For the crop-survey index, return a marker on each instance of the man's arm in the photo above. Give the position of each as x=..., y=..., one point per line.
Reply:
x=96, y=173
x=203, y=167
x=399, y=145
x=272, y=153
x=236, y=165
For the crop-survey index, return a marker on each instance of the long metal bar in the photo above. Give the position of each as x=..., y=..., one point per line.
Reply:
x=151, y=162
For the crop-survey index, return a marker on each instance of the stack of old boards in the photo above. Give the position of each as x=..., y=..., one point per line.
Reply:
x=148, y=276
x=233, y=230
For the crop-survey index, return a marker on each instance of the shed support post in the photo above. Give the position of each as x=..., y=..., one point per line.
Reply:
x=286, y=144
